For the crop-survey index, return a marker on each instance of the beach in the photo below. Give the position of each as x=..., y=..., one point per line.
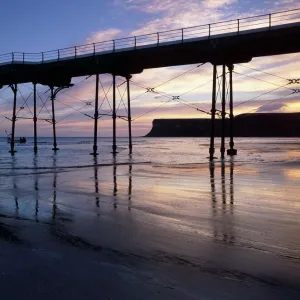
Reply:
x=163, y=223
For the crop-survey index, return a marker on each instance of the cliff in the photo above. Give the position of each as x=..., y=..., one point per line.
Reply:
x=245, y=125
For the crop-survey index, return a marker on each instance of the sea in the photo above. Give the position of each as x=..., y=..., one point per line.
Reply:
x=75, y=152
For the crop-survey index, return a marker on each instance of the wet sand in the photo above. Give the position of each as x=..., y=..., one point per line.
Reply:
x=146, y=231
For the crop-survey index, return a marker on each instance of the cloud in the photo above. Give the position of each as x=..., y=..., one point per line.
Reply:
x=218, y=3
x=176, y=14
x=274, y=107
x=103, y=35
x=287, y=4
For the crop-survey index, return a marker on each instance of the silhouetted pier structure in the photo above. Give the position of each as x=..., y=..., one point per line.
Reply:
x=221, y=44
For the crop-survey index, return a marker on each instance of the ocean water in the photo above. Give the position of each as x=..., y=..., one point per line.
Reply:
x=74, y=152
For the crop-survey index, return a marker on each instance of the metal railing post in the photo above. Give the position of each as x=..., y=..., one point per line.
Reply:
x=270, y=24
x=135, y=42
x=12, y=57
x=182, y=37
x=238, y=24
x=157, y=38
x=209, y=30
x=114, y=45
x=75, y=51
x=23, y=58
x=42, y=57
x=58, y=54
x=94, y=49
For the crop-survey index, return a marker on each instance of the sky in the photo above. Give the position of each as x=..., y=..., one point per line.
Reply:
x=40, y=25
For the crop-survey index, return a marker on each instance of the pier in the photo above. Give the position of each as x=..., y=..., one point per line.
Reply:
x=221, y=44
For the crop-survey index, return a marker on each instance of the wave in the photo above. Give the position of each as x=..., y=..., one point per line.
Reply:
x=78, y=167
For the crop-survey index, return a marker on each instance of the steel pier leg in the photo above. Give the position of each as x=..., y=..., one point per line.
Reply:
x=114, y=116
x=53, y=119
x=223, y=112
x=34, y=118
x=14, y=88
x=231, y=151
x=95, y=147
x=213, y=115
x=129, y=114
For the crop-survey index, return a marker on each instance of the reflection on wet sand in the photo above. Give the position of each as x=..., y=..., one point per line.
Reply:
x=115, y=183
x=129, y=186
x=6, y=232
x=223, y=216
x=96, y=181
x=54, y=205
x=15, y=187
x=59, y=218
x=39, y=187
x=36, y=188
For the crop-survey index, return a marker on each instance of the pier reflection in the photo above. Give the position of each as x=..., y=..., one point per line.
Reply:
x=115, y=186
x=8, y=232
x=54, y=205
x=15, y=186
x=36, y=187
x=97, y=198
x=129, y=186
x=222, y=209
x=115, y=189
x=59, y=217
x=45, y=183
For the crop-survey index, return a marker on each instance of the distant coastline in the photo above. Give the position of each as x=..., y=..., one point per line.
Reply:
x=245, y=125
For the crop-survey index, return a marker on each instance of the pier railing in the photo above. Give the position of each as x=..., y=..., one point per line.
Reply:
x=208, y=31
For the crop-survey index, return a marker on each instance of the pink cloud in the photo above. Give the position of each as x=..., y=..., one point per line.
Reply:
x=103, y=35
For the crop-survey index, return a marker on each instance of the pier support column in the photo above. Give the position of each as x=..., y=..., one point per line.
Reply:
x=34, y=118
x=114, y=116
x=222, y=149
x=53, y=119
x=213, y=115
x=14, y=88
x=129, y=113
x=231, y=151
x=95, y=147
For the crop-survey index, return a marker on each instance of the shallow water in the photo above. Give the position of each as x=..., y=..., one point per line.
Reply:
x=74, y=152
x=237, y=219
